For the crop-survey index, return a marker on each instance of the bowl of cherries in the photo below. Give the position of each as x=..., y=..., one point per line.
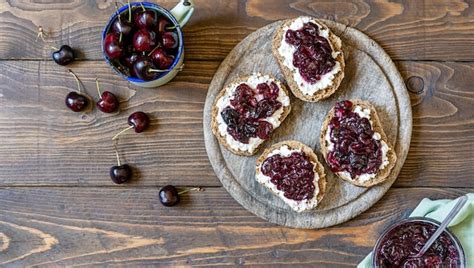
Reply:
x=143, y=42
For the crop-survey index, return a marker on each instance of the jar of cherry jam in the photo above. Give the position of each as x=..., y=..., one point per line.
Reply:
x=407, y=237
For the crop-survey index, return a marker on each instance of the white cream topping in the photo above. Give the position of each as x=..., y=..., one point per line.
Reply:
x=224, y=101
x=298, y=206
x=286, y=51
x=367, y=176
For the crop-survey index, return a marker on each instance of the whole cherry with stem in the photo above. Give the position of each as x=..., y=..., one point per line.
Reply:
x=123, y=27
x=62, y=56
x=76, y=100
x=145, y=68
x=108, y=102
x=120, y=173
x=139, y=121
x=169, y=195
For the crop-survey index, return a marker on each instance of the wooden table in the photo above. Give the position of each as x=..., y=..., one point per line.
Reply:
x=58, y=206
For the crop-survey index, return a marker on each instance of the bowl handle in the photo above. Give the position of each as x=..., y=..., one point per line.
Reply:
x=183, y=11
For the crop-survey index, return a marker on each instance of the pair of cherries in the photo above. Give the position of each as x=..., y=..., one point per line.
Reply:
x=77, y=101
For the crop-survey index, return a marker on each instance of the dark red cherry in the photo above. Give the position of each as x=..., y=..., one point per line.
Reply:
x=113, y=48
x=162, y=24
x=108, y=102
x=142, y=68
x=122, y=26
x=139, y=120
x=76, y=101
x=161, y=58
x=169, y=196
x=169, y=40
x=146, y=19
x=144, y=40
x=121, y=174
x=64, y=55
x=129, y=60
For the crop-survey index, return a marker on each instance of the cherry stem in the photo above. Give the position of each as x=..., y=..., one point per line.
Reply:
x=120, y=37
x=172, y=27
x=77, y=80
x=153, y=50
x=98, y=88
x=158, y=71
x=197, y=189
x=121, y=132
x=41, y=34
x=117, y=11
x=129, y=12
x=116, y=154
x=143, y=7
x=54, y=48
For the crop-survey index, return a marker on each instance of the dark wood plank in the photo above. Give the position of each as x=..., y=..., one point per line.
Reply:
x=439, y=30
x=441, y=152
x=103, y=226
x=42, y=143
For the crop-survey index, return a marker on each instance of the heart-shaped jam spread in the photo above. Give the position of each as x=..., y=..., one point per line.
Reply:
x=355, y=150
x=407, y=240
x=293, y=175
x=313, y=55
x=246, y=114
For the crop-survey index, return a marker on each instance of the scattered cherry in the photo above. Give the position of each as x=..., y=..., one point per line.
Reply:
x=120, y=173
x=139, y=121
x=169, y=195
x=112, y=46
x=108, y=102
x=75, y=100
x=64, y=55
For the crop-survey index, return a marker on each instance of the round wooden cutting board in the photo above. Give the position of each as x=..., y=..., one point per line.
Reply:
x=369, y=75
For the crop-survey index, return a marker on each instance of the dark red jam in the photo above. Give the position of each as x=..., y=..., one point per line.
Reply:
x=313, y=55
x=355, y=150
x=293, y=175
x=246, y=114
x=407, y=240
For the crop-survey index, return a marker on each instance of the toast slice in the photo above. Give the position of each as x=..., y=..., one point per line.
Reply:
x=283, y=52
x=220, y=127
x=389, y=158
x=285, y=148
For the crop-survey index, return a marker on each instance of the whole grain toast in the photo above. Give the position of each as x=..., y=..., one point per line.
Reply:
x=215, y=111
x=382, y=174
x=321, y=94
x=292, y=144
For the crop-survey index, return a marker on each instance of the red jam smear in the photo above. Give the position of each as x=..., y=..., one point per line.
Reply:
x=313, y=55
x=293, y=175
x=245, y=116
x=355, y=151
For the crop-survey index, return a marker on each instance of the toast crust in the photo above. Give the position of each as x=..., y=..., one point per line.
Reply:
x=318, y=167
x=321, y=94
x=382, y=174
x=215, y=111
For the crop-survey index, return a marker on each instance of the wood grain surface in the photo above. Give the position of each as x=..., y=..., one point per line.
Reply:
x=408, y=30
x=95, y=227
x=58, y=206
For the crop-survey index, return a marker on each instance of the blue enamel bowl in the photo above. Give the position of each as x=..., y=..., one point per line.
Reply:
x=161, y=78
